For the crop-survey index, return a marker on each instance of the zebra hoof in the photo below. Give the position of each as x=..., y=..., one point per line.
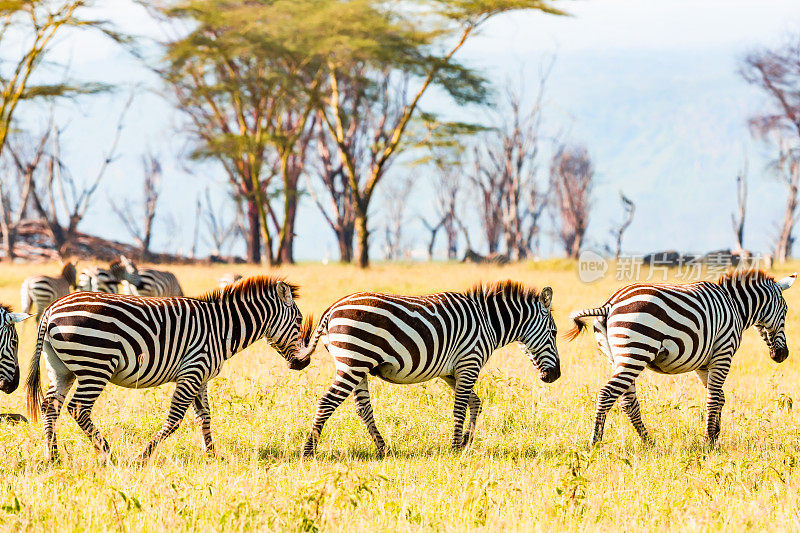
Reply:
x=13, y=418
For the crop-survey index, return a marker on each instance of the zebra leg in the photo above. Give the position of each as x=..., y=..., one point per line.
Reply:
x=341, y=388
x=474, y=410
x=713, y=379
x=630, y=404
x=186, y=391
x=622, y=380
x=51, y=409
x=364, y=410
x=80, y=407
x=203, y=415
x=463, y=391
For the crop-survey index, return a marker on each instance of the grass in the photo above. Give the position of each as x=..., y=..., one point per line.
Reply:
x=529, y=468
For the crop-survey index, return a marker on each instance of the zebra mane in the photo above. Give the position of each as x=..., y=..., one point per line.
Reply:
x=248, y=285
x=6, y=308
x=750, y=276
x=508, y=288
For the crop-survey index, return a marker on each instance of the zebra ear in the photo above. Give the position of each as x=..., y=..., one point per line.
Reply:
x=284, y=292
x=786, y=282
x=546, y=297
x=17, y=317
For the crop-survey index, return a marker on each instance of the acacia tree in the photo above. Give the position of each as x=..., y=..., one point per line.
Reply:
x=243, y=87
x=28, y=29
x=378, y=52
x=738, y=218
x=776, y=72
x=629, y=208
x=571, y=180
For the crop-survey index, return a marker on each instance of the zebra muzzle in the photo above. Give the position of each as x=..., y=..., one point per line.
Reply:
x=10, y=386
x=779, y=354
x=551, y=374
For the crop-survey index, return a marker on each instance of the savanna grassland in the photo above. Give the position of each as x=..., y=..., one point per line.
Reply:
x=529, y=468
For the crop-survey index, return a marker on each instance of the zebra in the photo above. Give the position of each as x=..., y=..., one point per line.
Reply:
x=41, y=291
x=9, y=343
x=146, y=281
x=137, y=342
x=228, y=278
x=412, y=339
x=96, y=279
x=673, y=329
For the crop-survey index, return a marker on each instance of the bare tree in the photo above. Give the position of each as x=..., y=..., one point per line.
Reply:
x=396, y=196
x=448, y=197
x=341, y=215
x=141, y=229
x=618, y=232
x=737, y=219
x=510, y=200
x=220, y=231
x=58, y=198
x=571, y=180
x=787, y=168
x=777, y=73
x=14, y=197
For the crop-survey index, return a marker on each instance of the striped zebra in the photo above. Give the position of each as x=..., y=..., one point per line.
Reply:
x=9, y=343
x=411, y=339
x=96, y=279
x=41, y=291
x=674, y=329
x=137, y=342
x=145, y=281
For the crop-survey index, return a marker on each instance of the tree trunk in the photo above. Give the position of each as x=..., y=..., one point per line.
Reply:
x=286, y=252
x=345, y=240
x=253, y=233
x=363, y=239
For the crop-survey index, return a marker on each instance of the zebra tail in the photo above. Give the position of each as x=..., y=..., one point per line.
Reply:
x=309, y=341
x=33, y=384
x=580, y=325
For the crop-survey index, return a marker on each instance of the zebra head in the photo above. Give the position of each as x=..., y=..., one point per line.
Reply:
x=538, y=337
x=127, y=271
x=96, y=280
x=283, y=327
x=9, y=342
x=770, y=320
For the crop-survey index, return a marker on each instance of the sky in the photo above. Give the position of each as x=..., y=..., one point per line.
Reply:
x=651, y=88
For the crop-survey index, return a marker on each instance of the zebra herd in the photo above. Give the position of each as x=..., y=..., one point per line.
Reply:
x=133, y=328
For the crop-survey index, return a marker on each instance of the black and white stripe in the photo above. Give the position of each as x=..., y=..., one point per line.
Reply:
x=411, y=339
x=92, y=339
x=146, y=281
x=9, y=344
x=96, y=279
x=41, y=291
x=674, y=329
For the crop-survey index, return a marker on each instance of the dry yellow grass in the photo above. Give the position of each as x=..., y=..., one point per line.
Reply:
x=529, y=468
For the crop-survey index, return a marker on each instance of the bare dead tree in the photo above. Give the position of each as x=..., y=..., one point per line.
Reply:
x=14, y=197
x=787, y=168
x=448, y=197
x=776, y=72
x=220, y=231
x=571, y=180
x=618, y=232
x=141, y=229
x=396, y=196
x=340, y=213
x=738, y=218
x=511, y=201
x=59, y=199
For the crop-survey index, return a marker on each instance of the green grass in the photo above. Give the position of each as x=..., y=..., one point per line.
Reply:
x=529, y=468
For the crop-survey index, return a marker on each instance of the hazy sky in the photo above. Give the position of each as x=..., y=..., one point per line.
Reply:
x=651, y=88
